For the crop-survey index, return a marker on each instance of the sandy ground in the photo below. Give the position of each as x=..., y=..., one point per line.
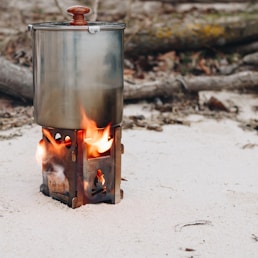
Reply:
x=191, y=191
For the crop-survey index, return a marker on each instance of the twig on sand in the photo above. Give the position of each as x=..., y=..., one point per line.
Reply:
x=255, y=237
x=179, y=227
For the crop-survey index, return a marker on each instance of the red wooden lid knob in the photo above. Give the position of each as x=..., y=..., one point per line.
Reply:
x=78, y=12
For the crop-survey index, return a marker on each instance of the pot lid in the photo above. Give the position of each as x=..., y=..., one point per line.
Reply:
x=67, y=26
x=78, y=22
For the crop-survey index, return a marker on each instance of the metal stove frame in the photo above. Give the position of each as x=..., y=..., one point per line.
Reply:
x=75, y=179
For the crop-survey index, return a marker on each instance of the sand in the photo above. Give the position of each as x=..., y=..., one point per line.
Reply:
x=191, y=191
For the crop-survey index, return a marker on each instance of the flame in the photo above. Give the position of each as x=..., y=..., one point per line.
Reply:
x=100, y=177
x=41, y=152
x=97, y=140
x=56, y=147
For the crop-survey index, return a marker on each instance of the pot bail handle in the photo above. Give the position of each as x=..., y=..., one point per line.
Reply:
x=78, y=12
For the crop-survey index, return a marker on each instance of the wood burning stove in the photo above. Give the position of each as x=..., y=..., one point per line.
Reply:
x=78, y=101
x=74, y=177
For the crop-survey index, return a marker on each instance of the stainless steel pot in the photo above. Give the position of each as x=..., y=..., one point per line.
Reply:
x=77, y=67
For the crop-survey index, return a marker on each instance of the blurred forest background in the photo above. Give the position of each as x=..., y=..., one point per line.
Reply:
x=173, y=50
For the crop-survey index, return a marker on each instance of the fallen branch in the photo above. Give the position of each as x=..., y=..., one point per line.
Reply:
x=169, y=86
x=178, y=32
x=15, y=80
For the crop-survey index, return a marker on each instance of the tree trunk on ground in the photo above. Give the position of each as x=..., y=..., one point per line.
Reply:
x=181, y=32
x=171, y=85
x=15, y=80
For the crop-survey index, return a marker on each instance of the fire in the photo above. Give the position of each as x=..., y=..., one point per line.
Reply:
x=100, y=177
x=56, y=147
x=97, y=140
x=41, y=152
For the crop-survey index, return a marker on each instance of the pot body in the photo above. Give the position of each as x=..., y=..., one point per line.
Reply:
x=77, y=68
